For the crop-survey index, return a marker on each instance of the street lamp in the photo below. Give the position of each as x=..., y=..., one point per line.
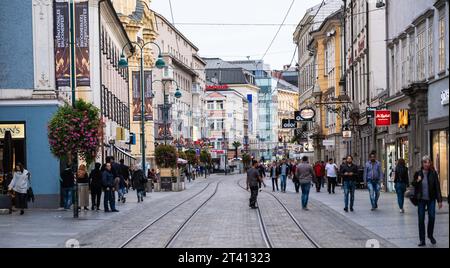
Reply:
x=123, y=63
x=166, y=104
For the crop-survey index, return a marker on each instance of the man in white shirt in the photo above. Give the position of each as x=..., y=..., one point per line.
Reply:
x=331, y=170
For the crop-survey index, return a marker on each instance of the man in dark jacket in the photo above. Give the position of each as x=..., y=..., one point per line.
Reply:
x=67, y=184
x=139, y=181
x=349, y=173
x=95, y=185
x=427, y=192
x=109, y=186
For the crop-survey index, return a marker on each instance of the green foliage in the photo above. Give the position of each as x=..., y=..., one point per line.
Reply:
x=191, y=157
x=205, y=157
x=246, y=160
x=166, y=156
x=237, y=144
x=182, y=155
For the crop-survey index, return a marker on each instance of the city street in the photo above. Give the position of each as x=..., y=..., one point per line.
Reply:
x=214, y=213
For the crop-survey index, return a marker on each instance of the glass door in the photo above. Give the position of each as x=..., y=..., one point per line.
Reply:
x=440, y=157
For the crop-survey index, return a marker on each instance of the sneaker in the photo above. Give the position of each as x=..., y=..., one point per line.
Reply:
x=372, y=209
x=421, y=244
x=346, y=209
x=402, y=211
x=432, y=240
x=124, y=200
x=351, y=209
x=115, y=210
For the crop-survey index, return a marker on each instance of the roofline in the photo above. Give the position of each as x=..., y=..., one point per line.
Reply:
x=175, y=29
x=332, y=17
x=116, y=17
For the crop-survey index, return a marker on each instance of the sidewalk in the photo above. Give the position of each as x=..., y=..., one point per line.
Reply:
x=387, y=221
x=51, y=228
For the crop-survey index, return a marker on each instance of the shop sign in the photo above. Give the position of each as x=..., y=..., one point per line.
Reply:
x=216, y=87
x=346, y=134
x=444, y=97
x=382, y=118
x=403, y=120
x=370, y=112
x=288, y=123
x=307, y=114
x=17, y=130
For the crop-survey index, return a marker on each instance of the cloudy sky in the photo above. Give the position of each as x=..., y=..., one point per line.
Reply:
x=236, y=42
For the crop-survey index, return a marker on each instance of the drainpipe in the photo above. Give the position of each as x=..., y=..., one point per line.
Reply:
x=100, y=71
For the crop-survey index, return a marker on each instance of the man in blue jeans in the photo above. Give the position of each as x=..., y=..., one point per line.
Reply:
x=349, y=172
x=305, y=174
x=284, y=172
x=109, y=185
x=67, y=185
x=372, y=178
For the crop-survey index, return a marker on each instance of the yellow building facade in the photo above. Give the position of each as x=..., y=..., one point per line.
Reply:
x=140, y=24
x=287, y=104
x=327, y=43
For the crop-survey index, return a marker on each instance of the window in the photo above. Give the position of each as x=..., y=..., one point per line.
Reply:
x=441, y=40
x=421, y=52
x=404, y=61
x=411, y=58
x=392, y=82
x=219, y=105
x=430, y=48
x=210, y=105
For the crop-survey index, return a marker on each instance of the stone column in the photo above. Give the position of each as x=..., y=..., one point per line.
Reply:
x=418, y=106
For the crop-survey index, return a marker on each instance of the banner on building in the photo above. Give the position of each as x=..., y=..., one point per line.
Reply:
x=136, y=91
x=250, y=112
x=148, y=96
x=137, y=94
x=82, y=65
x=382, y=118
x=163, y=132
x=61, y=43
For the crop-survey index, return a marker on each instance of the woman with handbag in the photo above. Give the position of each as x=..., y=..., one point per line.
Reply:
x=427, y=192
x=401, y=180
x=83, y=187
x=20, y=185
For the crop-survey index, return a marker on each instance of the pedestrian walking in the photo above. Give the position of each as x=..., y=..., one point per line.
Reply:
x=320, y=173
x=119, y=181
x=82, y=179
x=349, y=173
x=401, y=180
x=139, y=181
x=373, y=175
x=20, y=185
x=262, y=174
x=284, y=172
x=331, y=171
x=125, y=173
x=340, y=177
x=427, y=192
x=274, y=173
x=67, y=185
x=109, y=185
x=95, y=185
x=323, y=173
x=295, y=179
x=305, y=174
x=253, y=179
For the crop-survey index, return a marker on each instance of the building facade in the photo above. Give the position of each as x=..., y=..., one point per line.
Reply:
x=287, y=105
x=418, y=61
x=31, y=94
x=227, y=122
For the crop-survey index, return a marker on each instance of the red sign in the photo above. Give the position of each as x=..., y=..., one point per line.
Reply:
x=215, y=87
x=383, y=118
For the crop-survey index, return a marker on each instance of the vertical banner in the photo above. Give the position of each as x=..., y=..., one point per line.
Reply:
x=250, y=112
x=136, y=86
x=148, y=96
x=61, y=40
x=82, y=43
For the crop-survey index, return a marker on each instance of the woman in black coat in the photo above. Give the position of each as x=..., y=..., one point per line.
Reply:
x=401, y=180
x=427, y=192
x=139, y=180
x=95, y=185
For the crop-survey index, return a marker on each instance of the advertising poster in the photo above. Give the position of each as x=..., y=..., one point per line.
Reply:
x=148, y=96
x=82, y=44
x=136, y=83
x=61, y=40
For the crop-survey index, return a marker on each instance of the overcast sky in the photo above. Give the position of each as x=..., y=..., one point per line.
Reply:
x=237, y=42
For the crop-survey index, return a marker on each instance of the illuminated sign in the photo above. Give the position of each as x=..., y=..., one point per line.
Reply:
x=307, y=114
x=403, y=120
x=17, y=130
x=382, y=118
x=216, y=87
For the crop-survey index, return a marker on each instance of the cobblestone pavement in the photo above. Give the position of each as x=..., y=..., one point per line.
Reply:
x=331, y=226
x=225, y=221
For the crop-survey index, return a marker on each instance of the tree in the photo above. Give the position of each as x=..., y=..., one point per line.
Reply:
x=205, y=157
x=191, y=157
x=166, y=156
x=236, y=145
x=75, y=131
x=246, y=160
